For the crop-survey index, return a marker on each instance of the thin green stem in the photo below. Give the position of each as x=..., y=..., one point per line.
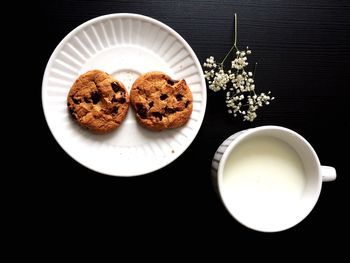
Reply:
x=256, y=65
x=234, y=47
x=235, y=42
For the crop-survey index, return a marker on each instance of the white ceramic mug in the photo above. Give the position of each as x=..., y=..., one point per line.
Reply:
x=269, y=178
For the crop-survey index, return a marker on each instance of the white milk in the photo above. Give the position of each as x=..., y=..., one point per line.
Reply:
x=263, y=178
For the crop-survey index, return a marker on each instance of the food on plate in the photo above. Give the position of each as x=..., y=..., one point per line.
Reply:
x=98, y=102
x=161, y=102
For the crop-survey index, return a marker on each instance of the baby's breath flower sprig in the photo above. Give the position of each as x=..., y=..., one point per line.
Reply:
x=241, y=97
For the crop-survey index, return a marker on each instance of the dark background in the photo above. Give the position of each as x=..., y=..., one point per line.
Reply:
x=303, y=53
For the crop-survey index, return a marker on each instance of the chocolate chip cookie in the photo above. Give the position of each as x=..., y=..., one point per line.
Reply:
x=161, y=102
x=98, y=102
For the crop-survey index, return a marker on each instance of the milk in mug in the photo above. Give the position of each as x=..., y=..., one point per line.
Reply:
x=263, y=176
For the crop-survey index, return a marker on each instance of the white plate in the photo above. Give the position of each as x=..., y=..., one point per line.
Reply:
x=125, y=46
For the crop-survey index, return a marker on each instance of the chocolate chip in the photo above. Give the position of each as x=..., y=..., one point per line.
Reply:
x=141, y=111
x=121, y=100
x=172, y=81
x=76, y=101
x=179, y=97
x=115, y=87
x=72, y=114
x=169, y=110
x=95, y=96
x=86, y=100
x=186, y=104
x=157, y=115
x=163, y=96
x=151, y=104
x=115, y=109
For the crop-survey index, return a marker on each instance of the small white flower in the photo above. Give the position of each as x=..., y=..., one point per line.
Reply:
x=238, y=63
x=220, y=80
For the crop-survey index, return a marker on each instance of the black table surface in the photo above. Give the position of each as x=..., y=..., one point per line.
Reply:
x=303, y=53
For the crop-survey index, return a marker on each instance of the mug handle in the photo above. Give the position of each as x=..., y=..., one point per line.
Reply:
x=328, y=173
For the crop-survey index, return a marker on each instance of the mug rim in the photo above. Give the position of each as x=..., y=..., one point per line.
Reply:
x=247, y=133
